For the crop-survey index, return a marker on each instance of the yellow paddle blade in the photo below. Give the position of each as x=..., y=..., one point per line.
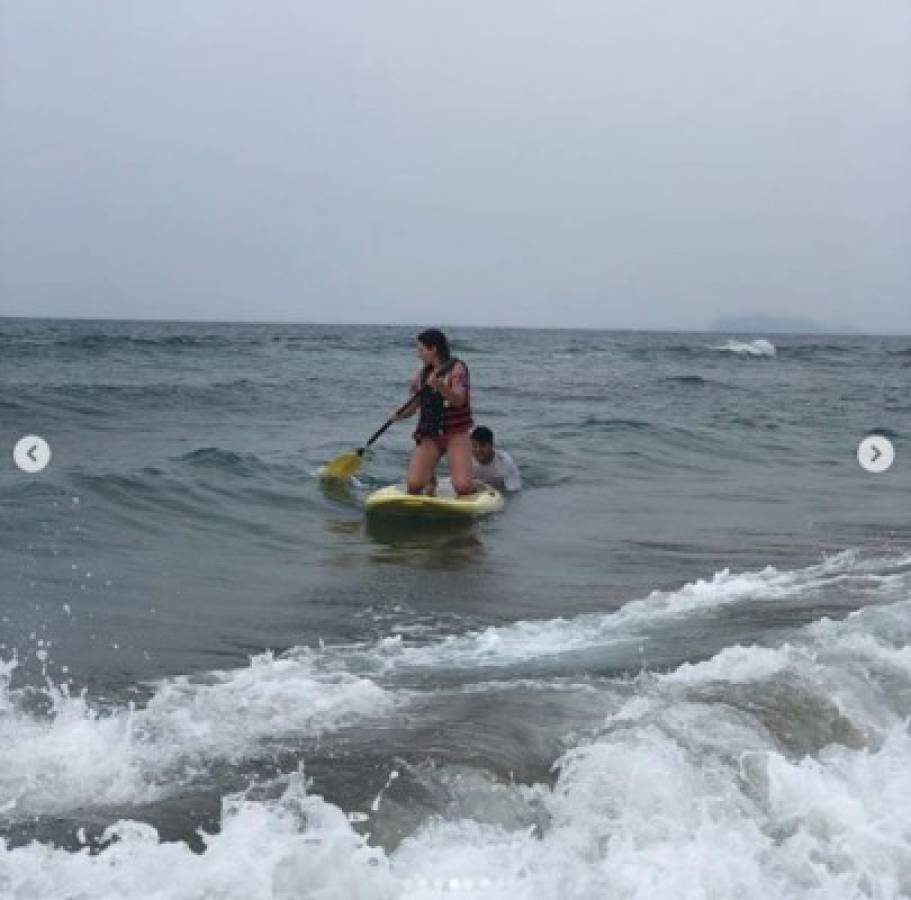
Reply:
x=343, y=466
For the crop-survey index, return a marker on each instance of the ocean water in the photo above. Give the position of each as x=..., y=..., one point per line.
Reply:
x=677, y=665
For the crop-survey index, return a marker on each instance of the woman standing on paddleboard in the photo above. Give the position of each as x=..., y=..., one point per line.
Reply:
x=445, y=415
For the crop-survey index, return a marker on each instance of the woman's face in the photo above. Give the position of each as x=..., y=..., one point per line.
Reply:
x=426, y=354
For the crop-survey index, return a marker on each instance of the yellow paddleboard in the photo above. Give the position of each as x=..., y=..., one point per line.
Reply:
x=395, y=500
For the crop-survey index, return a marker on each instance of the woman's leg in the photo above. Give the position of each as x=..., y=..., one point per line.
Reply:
x=460, y=465
x=424, y=458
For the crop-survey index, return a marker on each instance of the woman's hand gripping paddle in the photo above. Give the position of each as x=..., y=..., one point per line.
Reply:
x=346, y=464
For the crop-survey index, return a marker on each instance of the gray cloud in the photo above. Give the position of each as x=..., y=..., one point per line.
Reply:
x=585, y=164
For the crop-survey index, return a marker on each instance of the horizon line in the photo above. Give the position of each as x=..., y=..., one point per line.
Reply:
x=266, y=322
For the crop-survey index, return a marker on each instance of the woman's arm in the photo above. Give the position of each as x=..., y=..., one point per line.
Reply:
x=454, y=386
x=407, y=412
x=413, y=406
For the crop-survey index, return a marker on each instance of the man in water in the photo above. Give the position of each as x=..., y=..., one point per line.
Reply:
x=495, y=467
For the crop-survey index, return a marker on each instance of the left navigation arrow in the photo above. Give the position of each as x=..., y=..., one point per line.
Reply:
x=32, y=454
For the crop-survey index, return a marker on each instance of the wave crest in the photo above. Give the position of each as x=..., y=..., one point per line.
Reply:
x=758, y=347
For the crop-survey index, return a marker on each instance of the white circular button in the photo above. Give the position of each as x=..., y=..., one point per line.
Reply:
x=875, y=453
x=31, y=453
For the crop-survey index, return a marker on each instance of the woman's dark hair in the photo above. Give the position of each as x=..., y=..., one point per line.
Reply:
x=434, y=338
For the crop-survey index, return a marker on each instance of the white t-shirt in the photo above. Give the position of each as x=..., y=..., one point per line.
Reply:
x=501, y=472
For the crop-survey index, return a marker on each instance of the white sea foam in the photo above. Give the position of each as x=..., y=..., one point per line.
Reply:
x=760, y=772
x=694, y=789
x=758, y=347
x=80, y=755
x=524, y=641
x=682, y=794
x=298, y=846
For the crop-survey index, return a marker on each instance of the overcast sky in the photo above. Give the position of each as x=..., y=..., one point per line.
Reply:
x=583, y=163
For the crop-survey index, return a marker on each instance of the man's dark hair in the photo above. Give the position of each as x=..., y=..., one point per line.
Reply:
x=482, y=435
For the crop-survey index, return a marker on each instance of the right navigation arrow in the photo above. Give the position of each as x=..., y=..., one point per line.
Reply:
x=876, y=453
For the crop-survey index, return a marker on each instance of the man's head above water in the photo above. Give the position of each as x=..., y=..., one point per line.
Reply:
x=482, y=445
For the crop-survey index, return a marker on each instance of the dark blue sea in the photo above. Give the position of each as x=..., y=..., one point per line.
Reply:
x=678, y=664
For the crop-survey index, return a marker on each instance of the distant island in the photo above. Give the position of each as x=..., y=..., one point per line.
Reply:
x=759, y=324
